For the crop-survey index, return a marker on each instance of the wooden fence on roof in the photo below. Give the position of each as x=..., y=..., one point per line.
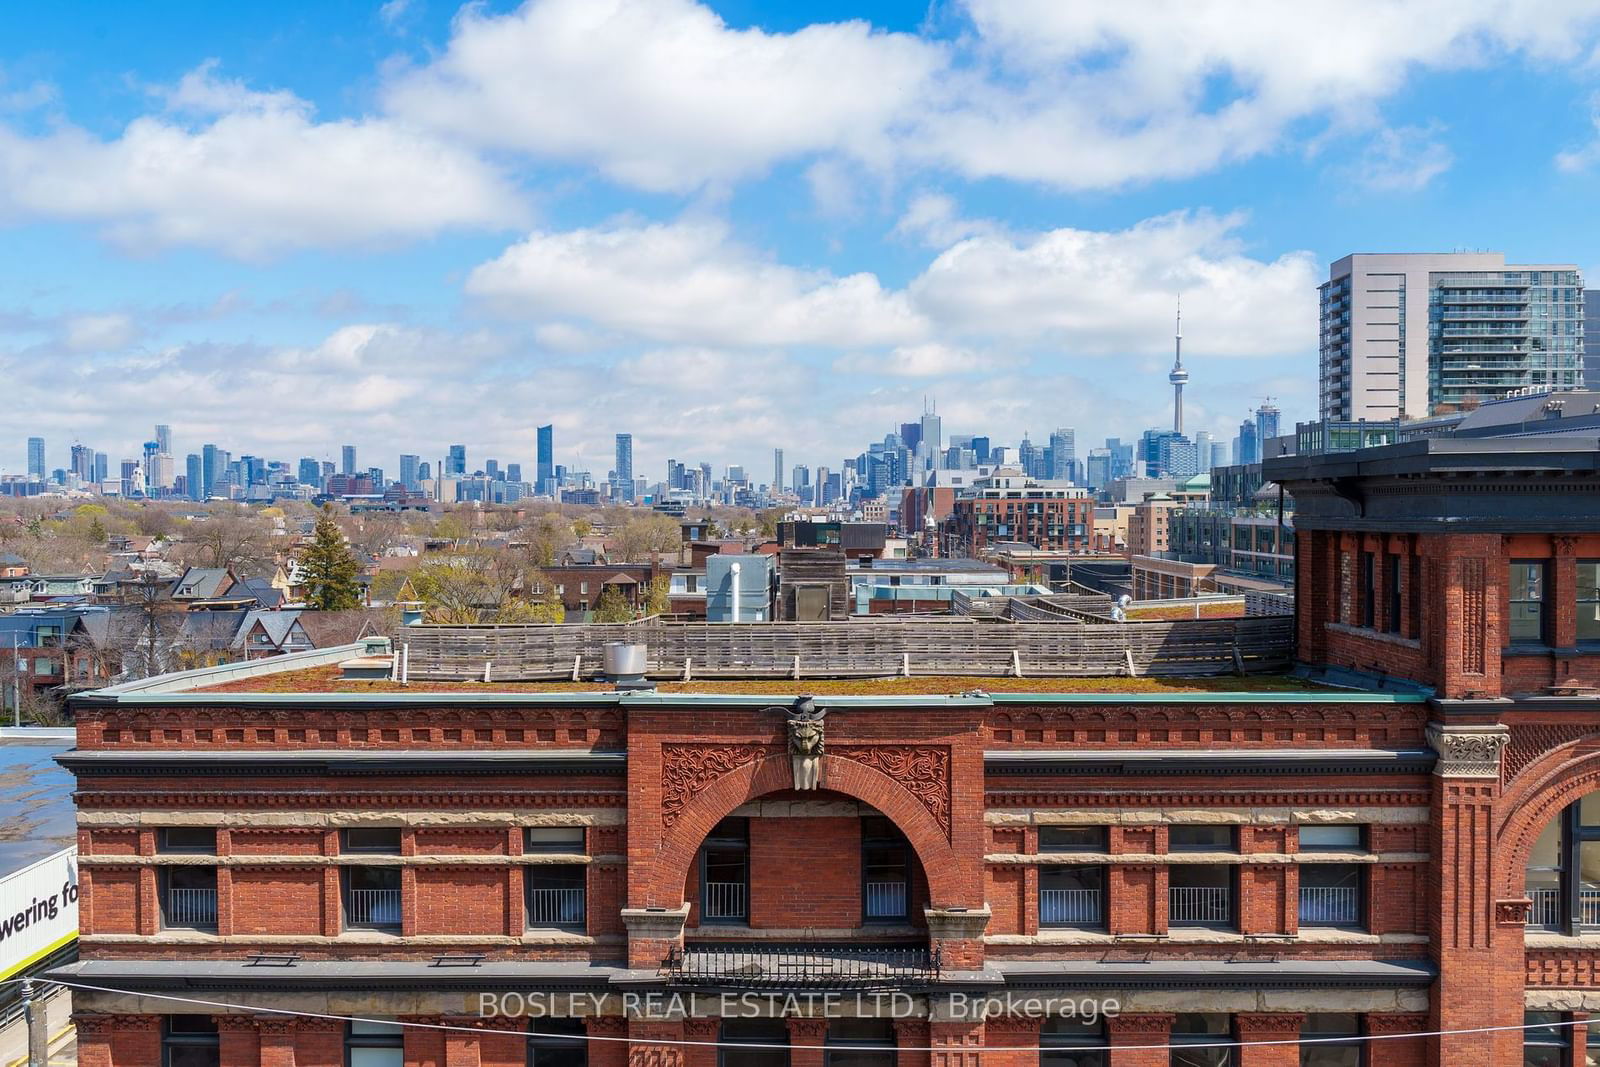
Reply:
x=876, y=647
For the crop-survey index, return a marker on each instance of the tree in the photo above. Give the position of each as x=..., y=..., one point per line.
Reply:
x=226, y=539
x=329, y=568
x=613, y=606
x=472, y=586
x=642, y=539
x=656, y=600
x=546, y=536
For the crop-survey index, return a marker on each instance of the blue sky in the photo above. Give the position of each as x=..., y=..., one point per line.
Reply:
x=735, y=226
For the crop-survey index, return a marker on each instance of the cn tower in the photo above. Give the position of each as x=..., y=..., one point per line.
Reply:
x=1179, y=376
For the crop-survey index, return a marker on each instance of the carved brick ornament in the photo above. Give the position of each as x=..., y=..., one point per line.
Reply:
x=1468, y=751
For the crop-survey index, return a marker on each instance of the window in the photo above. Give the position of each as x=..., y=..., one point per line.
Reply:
x=1072, y=839
x=1331, y=894
x=1546, y=1043
x=563, y=840
x=1192, y=1032
x=190, y=1041
x=1200, y=894
x=1563, y=872
x=189, y=898
x=1391, y=581
x=1369, y=592
x=374, y=839
x=1588, y=601
x=374, y=1044
x=1527, y=625
x=372, y=898
x=1071, y=1041
x=556, y=895
x=860, y=1043
x=1072, y=896
x=725, y=873
x=557, y=1043
x=885, y=871
x=754, y=1032
x=1323, y=1027
x=200, y=840
x=1201, y=839
x=1346, y=838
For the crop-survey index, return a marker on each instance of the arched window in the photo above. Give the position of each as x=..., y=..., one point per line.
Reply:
x=1563, y=874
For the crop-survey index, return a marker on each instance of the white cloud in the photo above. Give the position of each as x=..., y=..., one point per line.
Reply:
x=99, y=333
x=1580, y=159
x=662, y=94
x=1090, y=95
x=688, y=283
x=1401, y=160
x=932, y=220
x=1112, y=293
x=928, y=360
x=258, y=178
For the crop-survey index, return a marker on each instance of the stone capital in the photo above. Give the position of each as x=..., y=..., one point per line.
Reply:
x=1468, y=751
x=655, y=924
x=950, y=924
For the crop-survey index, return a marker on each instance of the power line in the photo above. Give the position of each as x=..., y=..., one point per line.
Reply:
x=688, y=1043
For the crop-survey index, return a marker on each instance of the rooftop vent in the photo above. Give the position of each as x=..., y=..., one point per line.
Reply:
x=625, y=665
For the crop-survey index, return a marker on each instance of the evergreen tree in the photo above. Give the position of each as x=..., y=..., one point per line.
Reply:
x=329, y=568
x=613, y=606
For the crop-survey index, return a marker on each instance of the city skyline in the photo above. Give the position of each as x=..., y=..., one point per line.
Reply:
x=705, y=258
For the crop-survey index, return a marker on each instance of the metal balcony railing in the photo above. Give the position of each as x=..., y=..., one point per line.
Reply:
x=1547, y=910
x=191, y=907
x=886, y=900
x=724, y=900
x=555, y=907
x=1330, y=905
x=801, y=966
x=372, y=907
x=1199, y=904
x=1069, y=906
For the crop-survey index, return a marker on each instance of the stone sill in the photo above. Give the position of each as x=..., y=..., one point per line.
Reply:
x=1254, y=816
x=432, y=860
x=1362, y=632
x=192, y=938
x=1550, y=939
x=1146, y=859
x=1186, y=935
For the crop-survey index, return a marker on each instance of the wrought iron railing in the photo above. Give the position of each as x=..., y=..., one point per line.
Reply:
x=1067, y=907
x=724, y=901
x=886, y=900
x=1200, y=904
x=1332, y=905
x=555, y=907
x=191, y=907
x=372, y=907
x=801, y=966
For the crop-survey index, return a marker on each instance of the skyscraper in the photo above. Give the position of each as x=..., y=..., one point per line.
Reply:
x=164, y=438
x=456, y=464
x=1591, y=338
x=1063, y=455
x=310, y=473
x=547, y=460
x=408, y=471
x=1266, y=426
x=348, y=456
x=1179, y=377
x=36, y=457
x=213, y=459
x=194, y=476
x=1202, y=449
x=102, y=466
x=624, y=466
x=1405, y=334
x=777, y=470
x=1249, y=442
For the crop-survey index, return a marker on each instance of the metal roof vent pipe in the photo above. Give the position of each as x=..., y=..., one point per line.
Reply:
x=626, y=664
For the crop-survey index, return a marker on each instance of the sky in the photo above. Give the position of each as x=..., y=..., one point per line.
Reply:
x=738, y=225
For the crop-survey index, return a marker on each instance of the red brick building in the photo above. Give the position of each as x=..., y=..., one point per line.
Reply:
x=1007, y=506
x=1248, y=869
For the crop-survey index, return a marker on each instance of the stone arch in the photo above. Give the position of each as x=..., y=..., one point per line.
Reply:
x=771, y=774
x=1538, y=795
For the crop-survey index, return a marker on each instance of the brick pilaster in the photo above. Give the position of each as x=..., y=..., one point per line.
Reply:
x=806, y=1040
x=1268, y=1026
